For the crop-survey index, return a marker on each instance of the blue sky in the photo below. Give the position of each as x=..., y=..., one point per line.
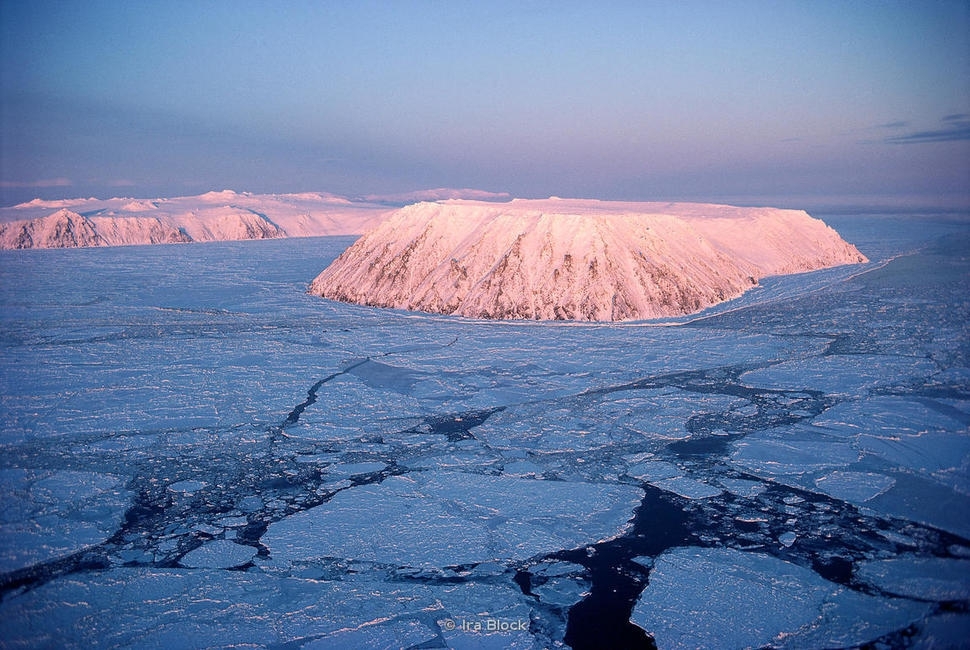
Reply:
x=787, y=103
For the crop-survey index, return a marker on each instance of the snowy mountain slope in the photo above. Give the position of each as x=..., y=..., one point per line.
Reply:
x=214, y=216
x=61, y=229
x=575, y=259
x=68, y=229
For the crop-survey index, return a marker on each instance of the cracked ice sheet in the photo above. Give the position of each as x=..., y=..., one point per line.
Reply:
x=515, y=362
x=890, y=416
x=46, y=514
x=178, y=608
x=915, y=477
x=942, y=456
x=925, y=437
x=442, y=519
x=850, y=375
x=142, y=383
x=724, y=598
x=925, y=578
x=646, y=417
x=792, y=452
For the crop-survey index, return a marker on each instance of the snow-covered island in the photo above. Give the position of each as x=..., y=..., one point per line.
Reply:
x=213, y=216
x=575, y=259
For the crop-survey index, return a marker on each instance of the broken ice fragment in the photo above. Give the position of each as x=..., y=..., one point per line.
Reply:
x=187, y=487
x=354, y=469
x=218, y=554
x=855, y=487
x=440, y=518
x=48, y=514
x=687, y=487
x=724, y=598
x=929, y=578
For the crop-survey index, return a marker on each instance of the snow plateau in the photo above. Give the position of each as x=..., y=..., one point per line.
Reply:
x=585, y=260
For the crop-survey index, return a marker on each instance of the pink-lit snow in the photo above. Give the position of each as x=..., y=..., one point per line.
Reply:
x=575, y=259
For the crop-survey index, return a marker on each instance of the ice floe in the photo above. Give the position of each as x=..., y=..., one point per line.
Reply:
x=193, y=608
x=724, y=598
x=442, y=519
x=855, y=487
x=923, y=578
x=793, y=451
x=841, y=374
x=218, y=554
x=46, y=514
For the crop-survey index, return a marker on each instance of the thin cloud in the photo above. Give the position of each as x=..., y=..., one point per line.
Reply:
x=953, y=128
x=439, y=194
x=44, y=182
x=900, y=124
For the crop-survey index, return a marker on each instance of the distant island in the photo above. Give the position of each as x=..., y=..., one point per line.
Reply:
x=213, y=216
x=572, y=259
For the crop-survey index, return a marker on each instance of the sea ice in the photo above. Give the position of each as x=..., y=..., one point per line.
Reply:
x=924, y=500
x=791, y=451
x=354, y=469
x=187, y=486
x=440, y=519
x=218, y=554
x=848, y=375
x=648, y=417
x=724, y=598
x=742, y=487
x=687, y=487
x=653, y=470
x=46, y=514
x=787, y=538
x=942, y=456
x=887, y=416
x=199, y=608
x=855, y=487
x=923, y=578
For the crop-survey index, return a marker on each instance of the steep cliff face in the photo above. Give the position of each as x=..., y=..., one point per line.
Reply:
x=575, y=259
x=67, y=229
x=214, y=216
x=123, y=231
x=227, y=224
x=62, y=229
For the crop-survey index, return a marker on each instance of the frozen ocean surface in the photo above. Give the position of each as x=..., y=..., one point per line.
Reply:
x=197, y=454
